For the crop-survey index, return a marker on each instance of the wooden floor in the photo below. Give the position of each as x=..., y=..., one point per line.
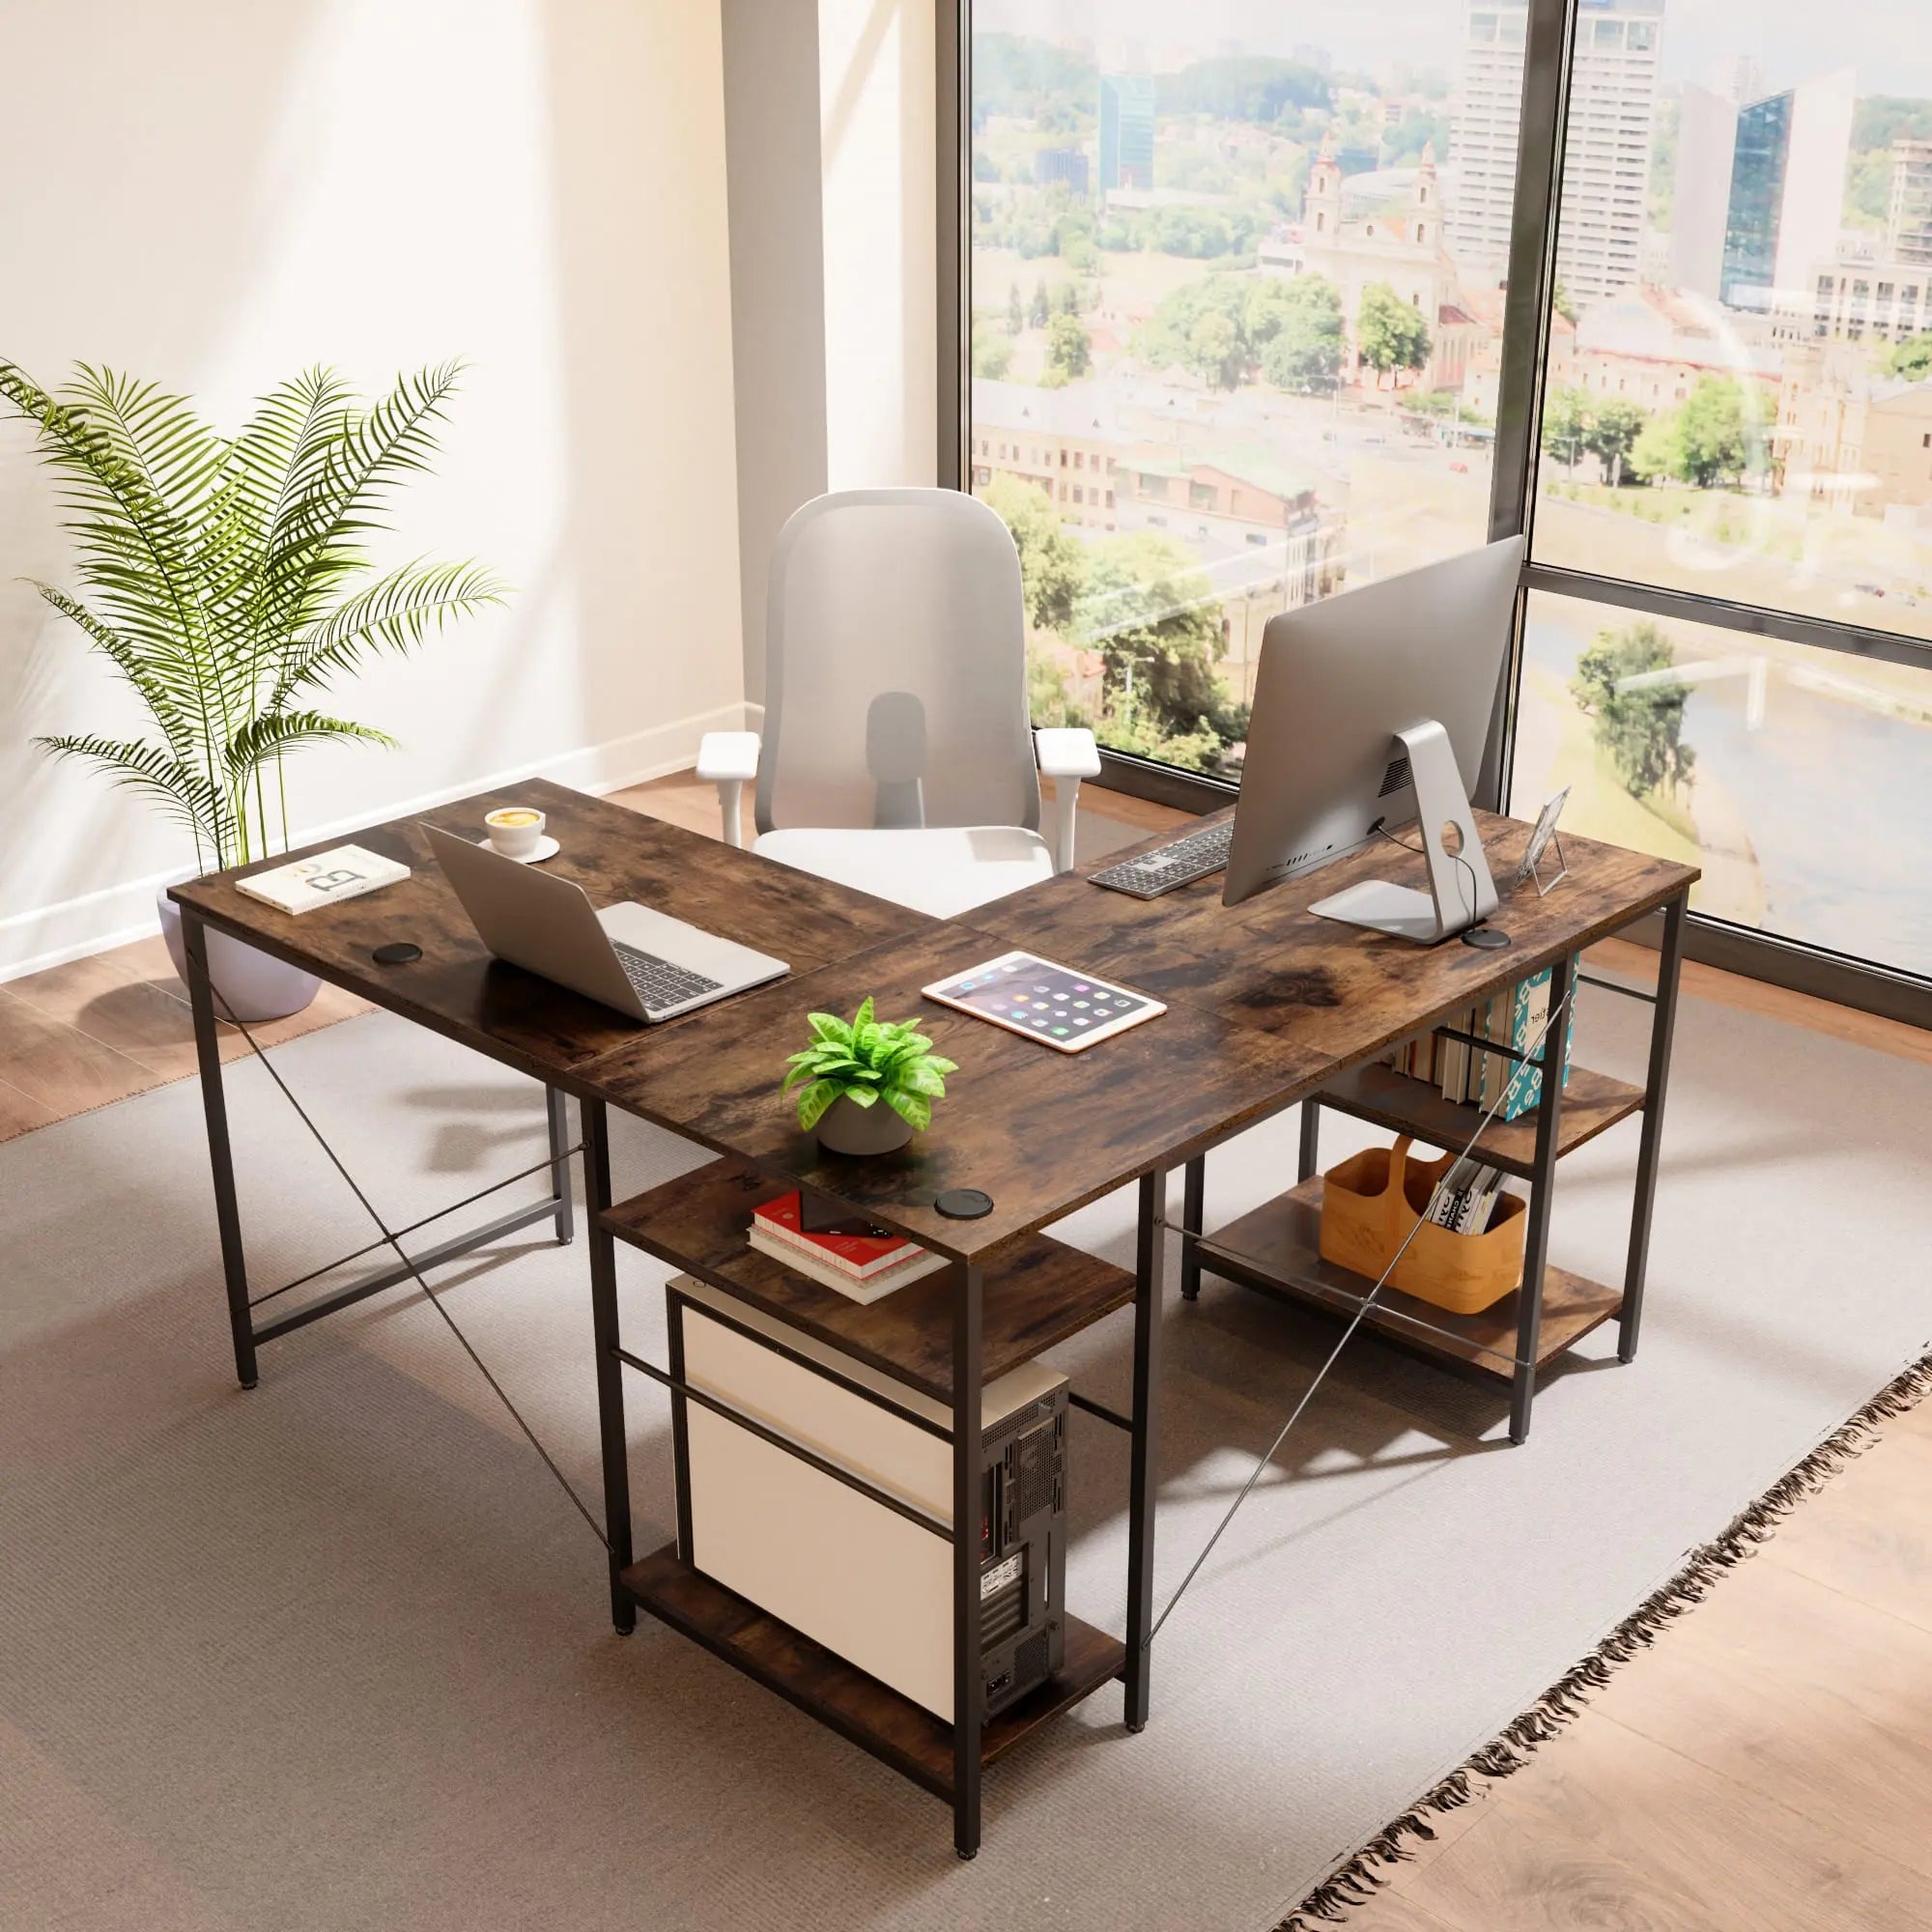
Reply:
x=1768, y=1764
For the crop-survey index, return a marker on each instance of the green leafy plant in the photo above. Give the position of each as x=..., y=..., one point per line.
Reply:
x=227, y=581
x=867, y=1061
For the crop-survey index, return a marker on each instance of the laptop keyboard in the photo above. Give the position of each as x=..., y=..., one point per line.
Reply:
x=657, y=982
x=1169, y=866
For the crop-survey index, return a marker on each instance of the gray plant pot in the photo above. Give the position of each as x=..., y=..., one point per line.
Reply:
x=249, y=984
x=846, y=1127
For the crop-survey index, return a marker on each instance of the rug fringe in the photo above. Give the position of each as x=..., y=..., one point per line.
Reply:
x=1359, y=1878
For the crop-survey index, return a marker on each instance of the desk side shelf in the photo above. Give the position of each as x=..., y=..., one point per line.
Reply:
x=1591, y=1104
x=1038, y=1290
x=1277, y=1249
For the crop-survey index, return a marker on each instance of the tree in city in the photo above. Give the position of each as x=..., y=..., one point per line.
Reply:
x=1068, y=353
x=1217, y=348
x=1639, y=727
x=1391, y=334
x=1715, y=426
x=1038, y=310
x=1150, y=613
x=1053, y=567
x=1706, y=443
x=1567, y=416
x=1015, y=310
x=1611, y=434
x=1561, y=302
x=1911, y=360
x=992, y=353
x=1295, y=325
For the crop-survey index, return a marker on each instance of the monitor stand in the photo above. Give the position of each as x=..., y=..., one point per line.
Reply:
x=1461, y=892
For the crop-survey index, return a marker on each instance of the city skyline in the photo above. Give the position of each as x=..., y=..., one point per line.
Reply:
x=1793, y=38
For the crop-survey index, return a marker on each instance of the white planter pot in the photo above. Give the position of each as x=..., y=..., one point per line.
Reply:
x=249, y=984
x=846, y=1127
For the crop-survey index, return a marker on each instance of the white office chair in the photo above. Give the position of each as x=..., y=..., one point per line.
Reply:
x=897, y=756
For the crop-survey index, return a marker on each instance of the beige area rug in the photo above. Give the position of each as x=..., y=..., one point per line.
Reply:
x=334, y=1655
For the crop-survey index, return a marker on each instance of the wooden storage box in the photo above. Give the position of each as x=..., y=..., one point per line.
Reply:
x=1370, y=1203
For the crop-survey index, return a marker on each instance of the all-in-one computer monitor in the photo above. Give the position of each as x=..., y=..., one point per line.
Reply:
x=1371, y=713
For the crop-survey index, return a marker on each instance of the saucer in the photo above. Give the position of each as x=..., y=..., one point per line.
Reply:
x=546, y=847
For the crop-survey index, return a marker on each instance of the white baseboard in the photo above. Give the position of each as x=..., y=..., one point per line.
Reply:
x=116, y=915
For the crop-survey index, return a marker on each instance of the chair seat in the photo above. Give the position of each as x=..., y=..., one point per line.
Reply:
x=942, y=870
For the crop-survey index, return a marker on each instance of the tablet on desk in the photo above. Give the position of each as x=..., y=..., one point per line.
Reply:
x=1051, y=1004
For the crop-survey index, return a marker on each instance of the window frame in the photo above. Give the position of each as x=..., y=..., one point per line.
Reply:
x=1547, y=65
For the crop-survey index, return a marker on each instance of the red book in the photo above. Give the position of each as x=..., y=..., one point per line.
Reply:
x=859, y=1256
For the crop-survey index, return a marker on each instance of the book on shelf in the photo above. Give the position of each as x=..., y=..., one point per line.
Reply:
x=1472, y=1077
x=866, y=1288
x=344, y=872
x=858, y=1261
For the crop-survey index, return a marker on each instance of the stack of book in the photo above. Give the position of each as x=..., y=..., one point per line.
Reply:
x=1466, y=1198
x=1467, y=1076
x=864, y=1264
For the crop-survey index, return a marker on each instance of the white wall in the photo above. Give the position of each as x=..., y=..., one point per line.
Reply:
x=877, y=103
x=214, y=194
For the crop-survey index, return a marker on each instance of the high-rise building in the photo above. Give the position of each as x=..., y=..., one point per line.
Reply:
x=1707, y=139
x=1909, y=231
x=1126, y=131
x=1606, y=165
x=1787, y=188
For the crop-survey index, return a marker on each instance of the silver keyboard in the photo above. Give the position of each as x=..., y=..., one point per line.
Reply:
x=1167, y=867
x=657, y=982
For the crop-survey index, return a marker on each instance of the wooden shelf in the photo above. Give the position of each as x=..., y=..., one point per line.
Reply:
x=1277, y=1248
x=895, y=1729
x=1591, y=1103
x=1038, y=1290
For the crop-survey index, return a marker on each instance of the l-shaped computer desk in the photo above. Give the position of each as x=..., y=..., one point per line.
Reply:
x=1268, y=1007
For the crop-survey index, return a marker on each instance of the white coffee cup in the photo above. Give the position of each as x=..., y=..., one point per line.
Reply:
x=515, y=830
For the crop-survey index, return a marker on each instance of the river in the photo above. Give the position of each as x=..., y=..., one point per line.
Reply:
x=1837, y=797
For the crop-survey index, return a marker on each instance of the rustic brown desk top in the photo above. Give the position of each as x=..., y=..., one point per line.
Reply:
x=1340, y=994
x=615, y=853
x=1265, y=1001
x=1041, y=1131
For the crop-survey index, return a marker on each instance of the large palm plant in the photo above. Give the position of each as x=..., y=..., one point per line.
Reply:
x=226, y=579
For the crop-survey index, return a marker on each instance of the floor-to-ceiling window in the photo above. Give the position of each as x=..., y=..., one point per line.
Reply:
x=1235, y=319
x=1739, y=435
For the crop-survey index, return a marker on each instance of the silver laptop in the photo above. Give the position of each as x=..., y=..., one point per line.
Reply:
x=643, y=963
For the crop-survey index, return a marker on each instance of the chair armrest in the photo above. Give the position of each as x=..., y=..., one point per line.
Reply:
x=1066, y=755
x=730, y=759
x=1065, y=752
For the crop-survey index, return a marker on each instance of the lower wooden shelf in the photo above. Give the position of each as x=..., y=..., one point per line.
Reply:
x=895, y=1729
x=1277, y=1248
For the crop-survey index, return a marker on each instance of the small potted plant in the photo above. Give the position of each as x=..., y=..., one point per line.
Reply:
x=848, y=1069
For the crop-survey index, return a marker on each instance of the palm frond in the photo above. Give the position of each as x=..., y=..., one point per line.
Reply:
x=182, y=793
x=158, y=682
x=275, y=732
x=396, y=613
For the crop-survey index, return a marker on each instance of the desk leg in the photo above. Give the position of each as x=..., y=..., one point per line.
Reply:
x=1193, y=1208
x=556, y=1111
x=610, y=1371
x=1311, y=1140
x=215, y=1108
x=969, y=1674
x=1662, y=1028
x=1149, y=1267
x=1543, y=1188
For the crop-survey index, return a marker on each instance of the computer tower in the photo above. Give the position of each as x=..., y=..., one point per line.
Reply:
x=835, y=1564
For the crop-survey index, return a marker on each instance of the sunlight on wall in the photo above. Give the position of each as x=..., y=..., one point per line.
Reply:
x=534, y=184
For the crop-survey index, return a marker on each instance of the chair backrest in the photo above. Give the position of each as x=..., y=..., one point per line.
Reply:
x=895, y=688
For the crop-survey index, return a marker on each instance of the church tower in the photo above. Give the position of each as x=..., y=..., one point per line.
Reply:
x=1426, y=203
x=1322, y=206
